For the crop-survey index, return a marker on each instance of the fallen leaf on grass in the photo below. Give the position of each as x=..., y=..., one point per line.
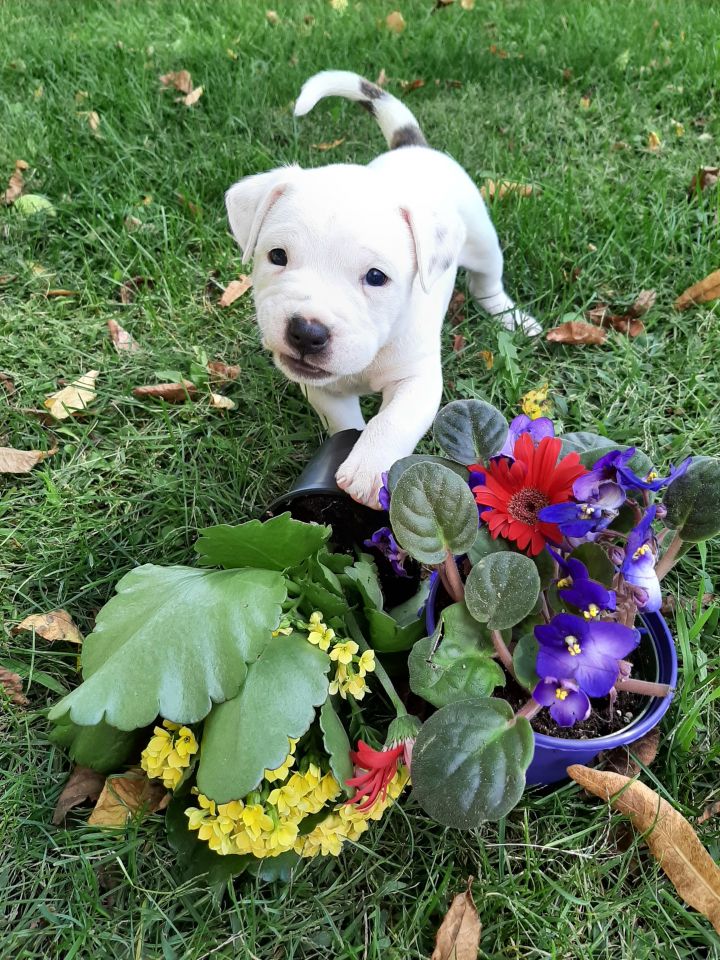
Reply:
x=192, y=208
x=22, y=461
x=7, y=383
x=408, y=86
x=456, y=309
x=467, y=4
x=180, y=80
x=382, y=78
x=124, y=796
x=669, y=836
x=459, y=342
x=192, y=98
x=129, y=288
x=627, y=323
x=272, y=17
x=220, y=402
x=12, y=685
x=93, y=119
x=16, y=183
x=712, y=810
x=132, y=224
x=123, y=341
x=619, y=760
x=222, y=373
x=576, y=332
x=458, y=937
x=704, y=179
x=52, y=626
x=501, y=188
x=644, y=301
x=82, y=784
x=57, y=292
x=75, y=397
x=654, y=143
x=328, y=144
x=706, y=289
x=487, y=358
x=395, y=22
x=235, y=289
x=172, y=392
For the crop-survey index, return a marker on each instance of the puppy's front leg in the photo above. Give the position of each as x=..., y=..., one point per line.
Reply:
x=408, y=409
x=336, y=411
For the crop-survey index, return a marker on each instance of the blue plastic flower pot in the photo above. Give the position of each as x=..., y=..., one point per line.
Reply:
x=554, y=755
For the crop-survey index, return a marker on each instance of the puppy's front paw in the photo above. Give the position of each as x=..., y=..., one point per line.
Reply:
x=518, y=320
x=360, y=481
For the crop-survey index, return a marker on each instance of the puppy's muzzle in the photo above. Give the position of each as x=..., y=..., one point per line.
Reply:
x=306, y=336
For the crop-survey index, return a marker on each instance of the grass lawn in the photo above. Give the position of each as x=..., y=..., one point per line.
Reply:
x=132, y=482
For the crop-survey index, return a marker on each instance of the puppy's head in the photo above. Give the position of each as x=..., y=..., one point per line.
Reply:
x=335, y=259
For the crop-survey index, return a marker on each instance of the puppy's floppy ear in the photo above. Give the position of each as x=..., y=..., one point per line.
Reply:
x=248, y=202
x=437, y=238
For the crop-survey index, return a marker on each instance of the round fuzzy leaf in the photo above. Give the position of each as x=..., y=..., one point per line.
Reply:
x=433, y=512
x=386, y=634
x=337, y=744
x=470, y=431
x=599, y=565
x=524, y=660
x=485, y=545
x=592, y=446
x=693, y=501
x=277, y=544
x=400, y=466
x=461, y=667
x=249, y=734
x=469, y=762
x=502, y=589
x=173, y=641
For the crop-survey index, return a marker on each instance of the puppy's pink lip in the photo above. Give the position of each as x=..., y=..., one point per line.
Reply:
x=302, y=369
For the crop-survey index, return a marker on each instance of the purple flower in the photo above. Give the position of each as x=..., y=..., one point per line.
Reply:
x=568, y=704
x=383, y=541
x=384, y=493
x=652, y=481
x=538, y=428
x=596, y=513
x=587, y=488
x=579, y=590
x=586, y=651
x=639, y=565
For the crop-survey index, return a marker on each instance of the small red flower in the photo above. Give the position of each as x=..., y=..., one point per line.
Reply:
x=378, y=766
x=515, y=492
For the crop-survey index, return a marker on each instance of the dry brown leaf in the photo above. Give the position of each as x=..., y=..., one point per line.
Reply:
x=22, y=461
x=16, y=183
x=576, y=332
x=501, y=188
x=328, y=144
x=382, y=78
x=93, y=119
x=192, y=208
x=619, y=760
x=459, y=342
x=272, y=17
x=222, y=373
x=235, y=289
x=57, y=292
x=132, y=224
x=704, y=179
x=7, y=383
x=172, y=392
x=409, y=85
x=467, y=4
x=458, y=937
x=52, y=626
x=487, y=358
x=180, y=80
x=712, y=810
x=628, y=325
x=654, y=143
x=124, y=796
x=82, y=784
x=456, y=308
x=599, y=314
x=706, y=289
x=192, y=98
x=129, y=288
x=13, y=687
x=585, y=103
x=75, y=397
x=669, y=836
x=220, y=402
x=395, y=22
x=644, y=301
x=123, y=341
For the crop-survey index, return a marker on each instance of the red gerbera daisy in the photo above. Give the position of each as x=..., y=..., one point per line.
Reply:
x=515, y=492
x=378, y=766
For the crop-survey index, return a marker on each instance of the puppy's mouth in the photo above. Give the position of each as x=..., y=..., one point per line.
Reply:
x=301, y=368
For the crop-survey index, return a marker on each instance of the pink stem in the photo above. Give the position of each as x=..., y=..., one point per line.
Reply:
x=503, y=654
x=668, y=559
x=529, y=710
x=644, y=687
x=457, y=591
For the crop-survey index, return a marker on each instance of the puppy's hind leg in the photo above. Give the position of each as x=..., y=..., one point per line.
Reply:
x=482, y=258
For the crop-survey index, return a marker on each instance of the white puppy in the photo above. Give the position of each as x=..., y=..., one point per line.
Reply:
x=353, y=271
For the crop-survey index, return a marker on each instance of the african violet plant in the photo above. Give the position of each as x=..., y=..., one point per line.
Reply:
x=547, y=549
x=239, y=684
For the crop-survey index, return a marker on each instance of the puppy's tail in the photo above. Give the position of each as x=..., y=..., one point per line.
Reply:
x=398, y=125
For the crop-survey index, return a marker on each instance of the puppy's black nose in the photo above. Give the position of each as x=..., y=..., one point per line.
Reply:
x=306, y=336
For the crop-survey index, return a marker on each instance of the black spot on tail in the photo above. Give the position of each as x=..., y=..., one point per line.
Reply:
x=371, y=90
x=408, y=136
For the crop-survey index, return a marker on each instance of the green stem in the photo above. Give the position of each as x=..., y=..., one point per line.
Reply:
x=667, y=561
x=504, y=655
x=380, y=672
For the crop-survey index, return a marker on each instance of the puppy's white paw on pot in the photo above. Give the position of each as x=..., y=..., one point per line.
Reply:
x=362, y=484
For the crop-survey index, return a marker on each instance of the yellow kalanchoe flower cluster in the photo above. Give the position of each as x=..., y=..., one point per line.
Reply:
x=169, y=753
x=351, y=669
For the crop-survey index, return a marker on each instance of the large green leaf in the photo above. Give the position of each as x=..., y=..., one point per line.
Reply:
x=433, y=512
x=592, y=446
x=693, y=501
x=386, y=634
x=470, y=431
x=277, y=544
x=363, y=577
x=461, y=667
x=173, y=641
x=249, y=734
x=524, y=660
x=317, y=597
x=469, y=762
x=100, y=747
x=598, y=563
x=400, y=466
x=502, y=589
x=485, y=545
x=337, y=744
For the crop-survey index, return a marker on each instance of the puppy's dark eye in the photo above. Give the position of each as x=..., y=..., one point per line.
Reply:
x=278, y=256
x=376, y=278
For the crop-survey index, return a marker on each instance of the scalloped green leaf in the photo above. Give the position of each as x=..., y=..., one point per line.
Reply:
x=461, y=667
x=100, y=747
x=599, y=565
x=693, y=501
x=409, y=611
x=502, y=589
x=485, y=545
x=276, y=544
x=433, y=512
x=363, y=576
x=592, y=446
x=524, y=660
x=469, y=762
x=470, y=431
x=400, y=466
x=318, y=598
x=337, y=744
x=387, y=636
x=247, y=735
x=173, y=641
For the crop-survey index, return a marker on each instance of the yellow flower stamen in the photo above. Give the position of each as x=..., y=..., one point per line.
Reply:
x=573, y=646
x=564, y=583
x=592, y=612
x=641, y=551
x=561, y=694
